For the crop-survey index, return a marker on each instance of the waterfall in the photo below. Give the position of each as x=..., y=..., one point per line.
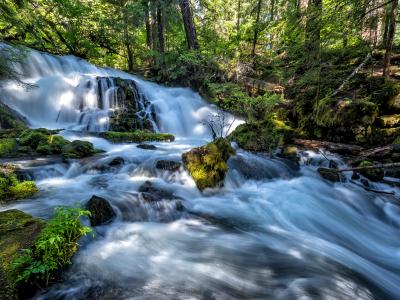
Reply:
x=67, y=92
x=275, y=230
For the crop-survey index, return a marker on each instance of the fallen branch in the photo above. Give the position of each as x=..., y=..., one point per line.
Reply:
x=332, y=147
x=380, y=166
x=352, y=74
x=372, y=190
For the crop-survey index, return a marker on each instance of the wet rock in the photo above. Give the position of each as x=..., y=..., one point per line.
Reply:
x=150, y=193
x=289, y=152
x=146, y=147
x=116, y=162
x=168, y=165
x=101, y=211
x=364, y=182
x=355, y=176
x=18, y=231
x=330, y=174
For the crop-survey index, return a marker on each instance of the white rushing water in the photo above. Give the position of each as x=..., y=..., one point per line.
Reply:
x=276, y=230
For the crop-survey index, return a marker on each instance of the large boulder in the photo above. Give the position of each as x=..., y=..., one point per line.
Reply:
x=134, y=111
x=101, y=211
x=208, y=164
x=18, y=231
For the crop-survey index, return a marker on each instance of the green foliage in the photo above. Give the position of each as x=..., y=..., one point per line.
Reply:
x=229, y=96
x=53, y=248
x=78, y=149
x=13, y=189
x=262, y=136
x=207, y=165
x=137, y=136
x=7, y=147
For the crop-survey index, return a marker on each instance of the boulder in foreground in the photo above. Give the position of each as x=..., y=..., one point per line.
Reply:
x=101, y=211
x=208, y=164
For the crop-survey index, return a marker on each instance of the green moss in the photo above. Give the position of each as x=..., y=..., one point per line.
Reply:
x=53, y=145
x=261, y=136
x=207, y=165
x=372, y=174
x=345, y=120
x=7, y=147
x=137, y=136
x=18, y=231
x=11, y=188
x=78, y=149
x=25, y=189
x=34, y=137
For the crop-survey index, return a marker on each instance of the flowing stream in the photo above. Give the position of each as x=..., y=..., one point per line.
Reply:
x=276, y=230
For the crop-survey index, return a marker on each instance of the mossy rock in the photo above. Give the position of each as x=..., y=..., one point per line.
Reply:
x=11, y=188
x=372, y=174
x=18, y=231
x=262, y=136
x=78, y=149
x=137, y=136
x=345, y=120
x=208, y=164
x=289, y=152
x=34, y=137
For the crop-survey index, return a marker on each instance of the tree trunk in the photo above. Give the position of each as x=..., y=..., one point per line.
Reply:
x=256, y=31
x=153, y=26
x=239, y=7
x=161, y=40
x=147, y=24
x=272, y=20
x=188, y=23
x=390, y=38
x=312, y=45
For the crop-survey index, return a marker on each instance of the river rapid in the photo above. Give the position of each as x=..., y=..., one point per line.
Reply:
x=275, y=230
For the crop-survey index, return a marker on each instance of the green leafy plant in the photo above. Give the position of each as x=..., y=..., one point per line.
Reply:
x=54, y=247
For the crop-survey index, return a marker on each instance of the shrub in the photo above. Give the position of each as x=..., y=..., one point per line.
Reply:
x=24, y=190
x=53, y=248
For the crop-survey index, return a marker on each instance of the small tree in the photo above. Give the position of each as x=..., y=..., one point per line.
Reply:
x=219, y=124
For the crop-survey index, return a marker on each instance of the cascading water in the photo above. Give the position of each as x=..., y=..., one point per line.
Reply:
x=274, y=231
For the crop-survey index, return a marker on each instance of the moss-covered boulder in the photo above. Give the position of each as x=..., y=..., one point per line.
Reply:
x=18, y=231
x=262, y=136
x=345, y=120
x=11, y=188
x=137, y=136
x=375, y=174
x=208, y=164
x=78, y=149
x=289, y=152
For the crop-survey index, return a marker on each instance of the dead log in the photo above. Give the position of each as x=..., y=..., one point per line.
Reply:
x=332, y=147
x=378, y=166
